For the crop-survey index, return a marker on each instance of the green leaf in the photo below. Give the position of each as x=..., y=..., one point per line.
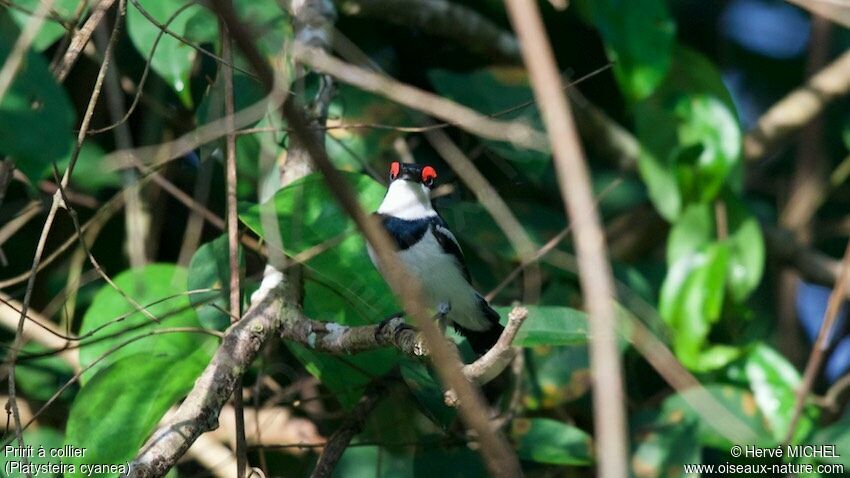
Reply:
x=693, y=291
x=557, y=375
x=706, y=122
x=210, y=269
x=173, y=59
x=112, y=320
x=498, y=90
x=549, y=325
x=304, y=215
x=52, y=29
x=664, y=445
x=639, y=36
x=774, y=382
x=746, y=250
x=33, y=105
x=690, y=137
x=47, y=437
x=543, y=440
x=739, y=402
x=691, y=299
x=120, y=406
x=266, y=19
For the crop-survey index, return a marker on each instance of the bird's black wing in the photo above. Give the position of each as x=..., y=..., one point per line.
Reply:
x=449, y=243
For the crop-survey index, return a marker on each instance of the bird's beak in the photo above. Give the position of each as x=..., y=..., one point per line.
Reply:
x=408, y=176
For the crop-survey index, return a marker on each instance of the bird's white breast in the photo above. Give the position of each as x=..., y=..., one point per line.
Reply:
x=442, y=281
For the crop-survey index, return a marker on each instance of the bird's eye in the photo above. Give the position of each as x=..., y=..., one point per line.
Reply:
x=429, y=174
x=394, y=170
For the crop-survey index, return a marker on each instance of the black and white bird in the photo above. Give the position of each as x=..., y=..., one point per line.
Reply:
x=433, y=256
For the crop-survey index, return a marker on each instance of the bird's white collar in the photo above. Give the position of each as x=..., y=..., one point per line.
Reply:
x=407, y=200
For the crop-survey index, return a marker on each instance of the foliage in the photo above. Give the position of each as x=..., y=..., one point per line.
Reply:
x=686, y=229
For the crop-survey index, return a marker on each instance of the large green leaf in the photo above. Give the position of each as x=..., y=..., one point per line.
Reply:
x=694, y=289
x=304, y=215
x=690, y=137
x=639, y=36
x=120, y=406
x=267, y=20
x=52, y=29
x=691, y=300
x=33, y=106
x=210, y=269
x=713, y=431
x=112, y=320
x=543, y=440
x=173, y=59
x=549, y=325
x=665, y=444
x=774, y=382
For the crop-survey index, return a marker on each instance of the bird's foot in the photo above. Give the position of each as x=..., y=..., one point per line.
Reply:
x=395, y=322
x=443, y=309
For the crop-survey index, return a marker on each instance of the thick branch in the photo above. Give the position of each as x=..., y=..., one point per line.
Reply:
x=812, y=265
x=339, y=441
x=444, y=19
x=500, y=355
x=199, y=412
x=798, y=108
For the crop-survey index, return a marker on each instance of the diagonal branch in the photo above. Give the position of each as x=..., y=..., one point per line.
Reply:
x=442, y=18
x=595, y=272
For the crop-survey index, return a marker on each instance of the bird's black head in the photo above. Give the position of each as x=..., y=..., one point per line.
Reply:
x=425, y=175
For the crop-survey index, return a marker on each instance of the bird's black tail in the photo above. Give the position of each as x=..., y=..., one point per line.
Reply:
x=482, y=340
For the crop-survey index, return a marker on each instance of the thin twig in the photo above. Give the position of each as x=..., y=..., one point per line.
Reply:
x=550, y=244
x=822, y=343
x=16, y=344
x=516, y=132
x=233, y=241
x=595, y=271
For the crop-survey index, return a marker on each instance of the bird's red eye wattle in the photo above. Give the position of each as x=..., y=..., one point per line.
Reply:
x=429, y=174
x=395, y=167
